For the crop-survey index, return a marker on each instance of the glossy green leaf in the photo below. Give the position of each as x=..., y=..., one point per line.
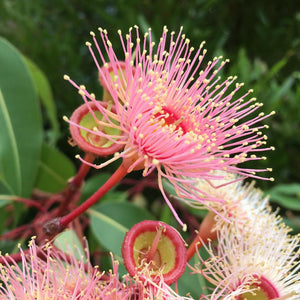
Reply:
x=144, y=25
x=287, y=195
x=244, y=66
x=278, y=92
x=20, y=123
x=69, y=242
x=293, y=222
x=277, y=67
x=110, y=222
x=4, y=188
x=4, y=199
x=44, y=92
x=95, y=182
x=194, y=284
x=54, y=170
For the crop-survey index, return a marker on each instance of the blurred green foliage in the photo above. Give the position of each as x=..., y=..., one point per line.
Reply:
x=261, y=38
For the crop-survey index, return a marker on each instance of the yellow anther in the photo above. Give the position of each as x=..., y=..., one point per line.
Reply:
x=155, y=162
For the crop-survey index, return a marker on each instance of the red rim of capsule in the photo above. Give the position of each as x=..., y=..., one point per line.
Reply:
x=264, y=286
x=121, y=66
x=171, y=249
x=79, y=135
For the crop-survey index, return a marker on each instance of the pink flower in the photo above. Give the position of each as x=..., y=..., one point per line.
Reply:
x=175, y=115
x=242, y=200
x=47, y=273
x=114, y=289
x=141, y=286
x=257, y=261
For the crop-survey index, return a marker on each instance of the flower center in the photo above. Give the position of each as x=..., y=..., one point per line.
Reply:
x=88, y=122
x=160, y=255
x=155, y=263
x=152, y=255
x=263, y=289
x=169, y=119
x=94, y=132
x=153, y=249
x=95, y=140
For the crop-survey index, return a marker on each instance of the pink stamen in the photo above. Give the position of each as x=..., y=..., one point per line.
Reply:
x=153, y=249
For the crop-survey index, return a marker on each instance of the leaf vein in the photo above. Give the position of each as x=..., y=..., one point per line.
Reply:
x=13, y=141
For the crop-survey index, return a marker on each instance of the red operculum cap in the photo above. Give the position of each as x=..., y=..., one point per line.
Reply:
x=120, y=68
x=262, y=289
x=157, y=247
x=86, y=128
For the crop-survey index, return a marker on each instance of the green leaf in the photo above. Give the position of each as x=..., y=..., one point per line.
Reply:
x=44, y=91
x=293, y=222
x=244, y=66
x=54, y=170
x=276, y=68
x=194, y=284
x=20, y=123
x=6, y=198
x=166, y=214
x=277, y=96
x=4, y=188
x=110, y=222
x=144, y=25
x=287, y=195
x=291, y=188
x=69, y=242
x=95, y=182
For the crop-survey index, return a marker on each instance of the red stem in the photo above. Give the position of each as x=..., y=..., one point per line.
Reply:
x=17, y=257
x=16, y=232
x=110, y=183
x=29, y=202
x=75, y=183
x=196, y=244
x=205, y=234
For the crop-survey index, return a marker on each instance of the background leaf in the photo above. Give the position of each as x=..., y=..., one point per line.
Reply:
x=287, y=195
x=95, y=182
x=44, y=92
x=20, y=123
x=194, y=284
x=69, y=242
x=110, y=222
x=54, y=170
